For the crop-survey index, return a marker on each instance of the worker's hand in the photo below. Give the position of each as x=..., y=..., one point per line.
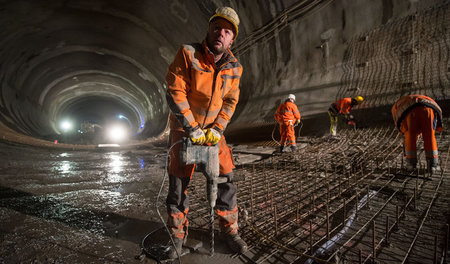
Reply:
x=212, y=136
x=297, y=122
x=197, y=136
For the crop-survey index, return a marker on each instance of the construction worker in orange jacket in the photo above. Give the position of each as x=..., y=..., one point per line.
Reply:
x=416, y=115
x=203, y=90
x=343, y=107
x=288, y=116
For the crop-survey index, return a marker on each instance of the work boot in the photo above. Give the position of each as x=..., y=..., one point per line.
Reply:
x=236, y=243
x=286, y=149
x=293, y=148
x=410, y=167
x=435, y=169
x=176, y=246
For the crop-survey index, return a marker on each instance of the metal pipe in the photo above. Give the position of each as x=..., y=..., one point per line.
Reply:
x=387, y=230
x=446, y=243
x=435, y=261
x=328, y=222
x=275, y=219
x=374, y=242
x=311, y=237
x=360, y=256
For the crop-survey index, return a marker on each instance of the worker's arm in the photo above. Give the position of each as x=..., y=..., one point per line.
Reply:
x=345, y=105
x=296, y=112
x=178, y=82
x=230, y=100
x=278, y=116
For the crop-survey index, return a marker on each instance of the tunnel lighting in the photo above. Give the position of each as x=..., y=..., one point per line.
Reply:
x=117, y=133
x=66, y=125
x=126, y=118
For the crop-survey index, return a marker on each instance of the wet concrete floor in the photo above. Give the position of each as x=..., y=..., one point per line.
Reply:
x=81, y=206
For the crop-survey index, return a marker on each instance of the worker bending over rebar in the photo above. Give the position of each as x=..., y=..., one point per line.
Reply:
x=343, y=107
x=416, y=115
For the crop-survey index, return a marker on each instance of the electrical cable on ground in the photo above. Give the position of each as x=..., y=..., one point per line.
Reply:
x=159, y=194
x=276, y=125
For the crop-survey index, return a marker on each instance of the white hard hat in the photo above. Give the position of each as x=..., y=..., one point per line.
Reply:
x=291, y=96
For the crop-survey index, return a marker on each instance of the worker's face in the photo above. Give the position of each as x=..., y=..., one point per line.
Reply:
x=220, y=35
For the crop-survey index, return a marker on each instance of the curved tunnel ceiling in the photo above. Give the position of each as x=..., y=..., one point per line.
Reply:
x=95, y=60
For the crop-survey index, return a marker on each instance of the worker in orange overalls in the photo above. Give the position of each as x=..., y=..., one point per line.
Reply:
x=288, y=116
x=416, y=115
x=203, y=90
x=343, y=107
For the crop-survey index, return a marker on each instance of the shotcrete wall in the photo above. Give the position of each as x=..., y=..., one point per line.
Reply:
x=377, y=49
x=57, y=57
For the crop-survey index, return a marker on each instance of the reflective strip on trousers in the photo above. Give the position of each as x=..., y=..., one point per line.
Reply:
x=228, y=221
x=411, y=154
x=432, y=156
x=178, y=223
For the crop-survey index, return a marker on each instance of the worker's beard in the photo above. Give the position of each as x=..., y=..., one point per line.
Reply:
x=217, y=48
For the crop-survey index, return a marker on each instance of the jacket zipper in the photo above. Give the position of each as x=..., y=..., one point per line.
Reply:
x=216, y=72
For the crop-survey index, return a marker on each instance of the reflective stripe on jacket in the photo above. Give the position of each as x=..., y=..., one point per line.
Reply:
x=199, y=92
x=406, y=103
x=342, y=106
x=286, y=112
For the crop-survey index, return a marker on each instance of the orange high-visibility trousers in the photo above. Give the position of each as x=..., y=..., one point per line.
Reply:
x=287, y=134
x=177, y=201
x=420, y=121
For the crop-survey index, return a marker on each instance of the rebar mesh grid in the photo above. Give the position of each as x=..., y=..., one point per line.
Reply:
x=324, y=200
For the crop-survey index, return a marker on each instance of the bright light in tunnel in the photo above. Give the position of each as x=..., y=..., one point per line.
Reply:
x=126, y=118
x=117, y=133
x=66, y=125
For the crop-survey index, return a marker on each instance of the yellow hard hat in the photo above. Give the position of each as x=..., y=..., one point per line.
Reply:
x=359, y=99
x=229, y=14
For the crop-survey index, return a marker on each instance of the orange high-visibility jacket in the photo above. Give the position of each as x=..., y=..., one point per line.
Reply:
x=406, y=103
x=286, y=112
x=342, y=106
x=199, y=92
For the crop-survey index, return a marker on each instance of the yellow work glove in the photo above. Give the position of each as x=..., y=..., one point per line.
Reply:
x=212, y=136
x=197, y=136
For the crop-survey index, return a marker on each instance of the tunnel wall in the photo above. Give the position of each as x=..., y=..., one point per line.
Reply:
x=51, y=51
x=344, y=48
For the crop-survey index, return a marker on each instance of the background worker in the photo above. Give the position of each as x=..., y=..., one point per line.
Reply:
x=288, y=116
x=343, y=107
x=203, y=90
x=415, y=115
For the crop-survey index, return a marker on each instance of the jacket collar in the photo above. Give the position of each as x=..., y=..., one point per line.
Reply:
x=226, y=57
